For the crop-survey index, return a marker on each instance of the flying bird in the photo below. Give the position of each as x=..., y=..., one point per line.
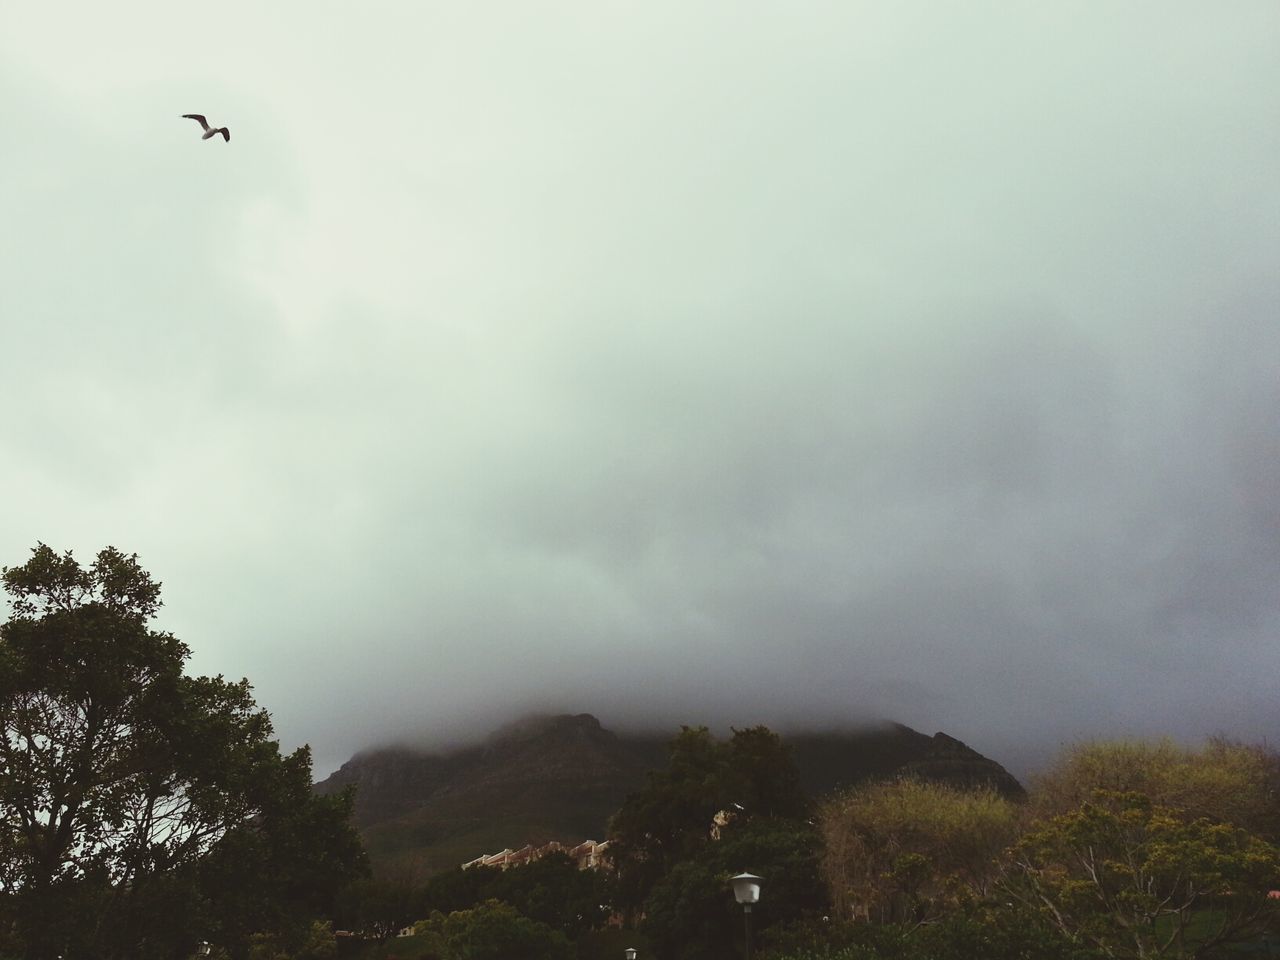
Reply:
x=208, y=130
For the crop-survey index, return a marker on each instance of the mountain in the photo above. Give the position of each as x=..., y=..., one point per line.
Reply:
x=829, y=761
x=540, y=779
x=563, y=777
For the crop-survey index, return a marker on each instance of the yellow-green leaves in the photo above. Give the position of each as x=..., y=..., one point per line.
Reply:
x=902, y=849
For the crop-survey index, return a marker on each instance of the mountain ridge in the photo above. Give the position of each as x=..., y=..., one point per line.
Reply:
x=563, y=776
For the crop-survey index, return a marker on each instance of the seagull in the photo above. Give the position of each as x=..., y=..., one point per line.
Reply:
x=208, y=130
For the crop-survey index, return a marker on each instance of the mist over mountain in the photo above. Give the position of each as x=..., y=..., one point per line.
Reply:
x=562, y=777
x=671, y=360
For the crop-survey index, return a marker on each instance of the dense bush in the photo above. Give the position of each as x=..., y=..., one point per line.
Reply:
x=902, y=851
x=1222, y=781
x=491, y=931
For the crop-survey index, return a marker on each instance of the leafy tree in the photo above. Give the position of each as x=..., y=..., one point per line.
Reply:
x=1134, y=879
x=761, y=778
x=136, y=800
x=552, y=890
x=611, y=943
x=691, y=913
x=457, y=889
x=825, y=939
x=313, y=942
x=285, y=866
x=666, y=822
x=992, y=930
x=904, y=850
x=972, y=930
x=492, y=931
x=1222, y=781
x=379, y=907
x=673, y=817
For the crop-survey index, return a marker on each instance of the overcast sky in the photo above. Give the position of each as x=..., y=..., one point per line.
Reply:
x=783, y=362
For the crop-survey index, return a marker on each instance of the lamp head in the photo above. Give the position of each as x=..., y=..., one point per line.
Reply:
x=746, y=888
x=631, y=953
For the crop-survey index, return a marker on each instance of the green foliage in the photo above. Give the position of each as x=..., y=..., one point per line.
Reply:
x=691, y=913
x=402, y=948
x=761, y=777
x=719, y=808
x=993, y=930
x=491, y=931
x=136, y=801
x=827, y=952
x=611, y=943
x=554, y=891
x=457, y=889
x=821, y=939
x=972, y=930
x=379, y=907
x=1222, y=781
x=315, y=941
x=286, y=866
x=903, y=850
x=938, y=873
x=551, y=890
x=672, y=818
x=1135, y=879
x=688, y=914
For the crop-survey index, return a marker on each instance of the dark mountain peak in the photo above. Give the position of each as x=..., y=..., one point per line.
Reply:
x=945, y=745
x=831, y=760
x=951, y=761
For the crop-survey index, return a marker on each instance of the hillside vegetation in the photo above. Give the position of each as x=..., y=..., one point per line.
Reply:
x=563, y=778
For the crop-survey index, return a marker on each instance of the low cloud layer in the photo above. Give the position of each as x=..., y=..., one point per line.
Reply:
x=692, y=363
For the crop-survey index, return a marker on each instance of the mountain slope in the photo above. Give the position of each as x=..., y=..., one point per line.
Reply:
x=563, y=777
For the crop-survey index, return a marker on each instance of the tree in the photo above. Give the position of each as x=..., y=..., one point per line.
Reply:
x=902, y=851
x=1222, y=781
x=458, y=889
x=492, y=931
x=1135, y=879
x=969, y=930
x=379, y=907
x=751, y=775
x=691, y=913
x=992, y=930
x=552, y=890
x=285, y=866
x=134, y=798
x=316, y=942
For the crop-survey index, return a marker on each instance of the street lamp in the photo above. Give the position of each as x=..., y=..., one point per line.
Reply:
x=631, y=953
x=746, y=890
x=203, y=949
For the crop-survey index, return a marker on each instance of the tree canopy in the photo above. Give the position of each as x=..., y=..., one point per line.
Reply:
x=1135, y=879
x=691, y=913
x=142, y=809
x=550, y=890
x=1222, y=781
x=719, y=808
x=901, y=850
x=491, y=931
x=747, y=776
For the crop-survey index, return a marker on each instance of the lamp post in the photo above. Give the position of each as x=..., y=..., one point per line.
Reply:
x=631, y=953
x=746, y=890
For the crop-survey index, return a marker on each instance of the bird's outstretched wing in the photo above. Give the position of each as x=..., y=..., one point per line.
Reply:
x=226, y=134
x=195, y=116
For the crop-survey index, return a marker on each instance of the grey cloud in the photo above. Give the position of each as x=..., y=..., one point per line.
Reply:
x=708, y=364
